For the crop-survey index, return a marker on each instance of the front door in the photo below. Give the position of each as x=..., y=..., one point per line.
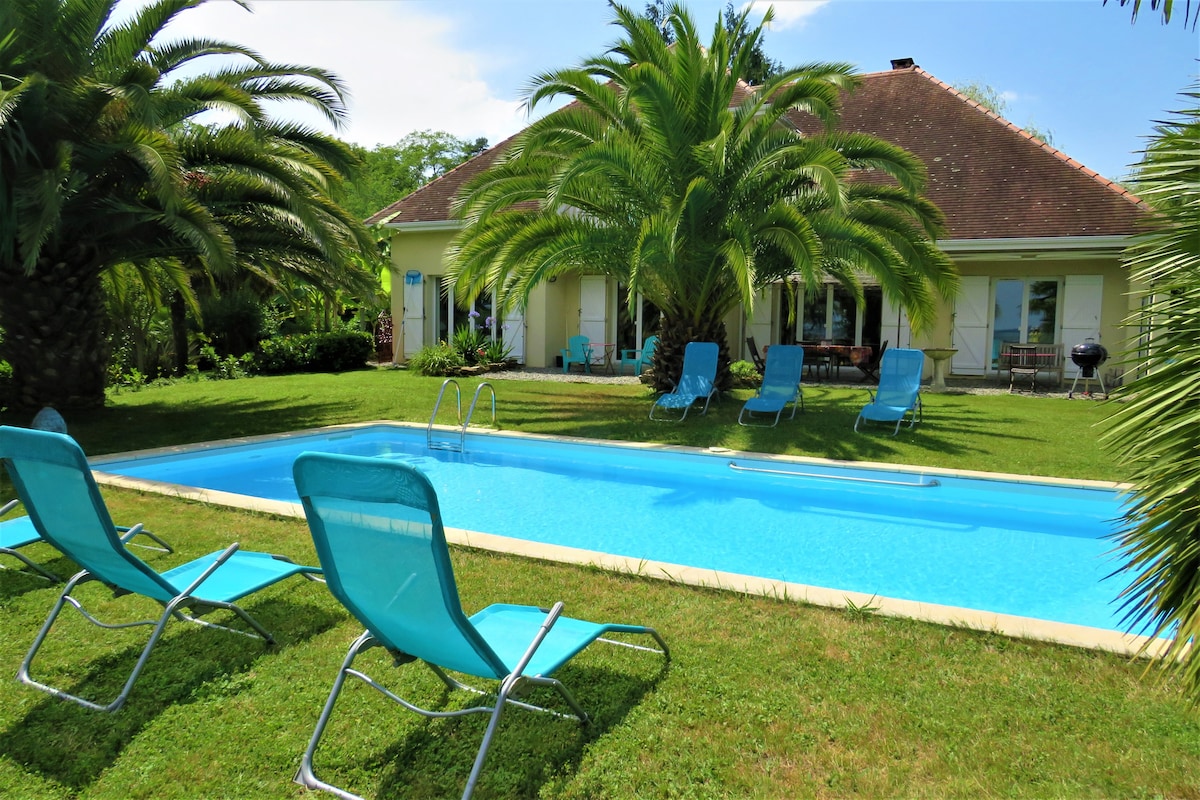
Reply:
x=593, y=307
x=971, y=326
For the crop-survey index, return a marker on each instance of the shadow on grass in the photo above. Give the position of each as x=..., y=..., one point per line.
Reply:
x=116, y=429
x=72, y=745
x=530, y=748
x=17, y=579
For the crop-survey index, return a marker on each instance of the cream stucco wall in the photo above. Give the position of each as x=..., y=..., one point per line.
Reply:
x=553, y=312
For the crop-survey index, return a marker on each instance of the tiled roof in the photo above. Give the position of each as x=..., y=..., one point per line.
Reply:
x=991, y=179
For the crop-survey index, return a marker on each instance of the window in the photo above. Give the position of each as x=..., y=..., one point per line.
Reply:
x=1025, y=311
x=448, y=316
x=832, y=315
x=633, y=329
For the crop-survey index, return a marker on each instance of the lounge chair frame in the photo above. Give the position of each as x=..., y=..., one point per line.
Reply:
x=20, y=532
x=172, y=608
x=332, y=489
x=55, y=484
x=780, y=387
x=909, y=385
x=696, y=381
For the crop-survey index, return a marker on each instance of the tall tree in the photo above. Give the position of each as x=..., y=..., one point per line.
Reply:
x=988, y=97
x=674, y=177
x=758, y=66
x=270, y=186
x=390, y=172
x=92, y=177
x=1156, y=429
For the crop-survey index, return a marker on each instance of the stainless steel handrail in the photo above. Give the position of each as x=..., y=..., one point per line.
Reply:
x=433, y=418
x=462, y=436
x=922, y=484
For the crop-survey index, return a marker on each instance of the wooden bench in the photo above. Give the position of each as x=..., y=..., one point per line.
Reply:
x=1030, y=360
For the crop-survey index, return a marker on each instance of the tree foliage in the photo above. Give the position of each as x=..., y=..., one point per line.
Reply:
x=758, y=66
x=1165, y=7
x=672, y=176
x=392, y=171
x=988, y=97
x=1156, y=430
x=98, y=170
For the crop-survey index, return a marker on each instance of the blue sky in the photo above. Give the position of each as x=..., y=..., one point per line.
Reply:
x=1076, y=68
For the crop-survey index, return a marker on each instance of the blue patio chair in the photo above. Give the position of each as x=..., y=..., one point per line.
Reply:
x=19, y=532
x=640, y=359
x=578, y=351
x=899, y=390
x=697, y=381
x=379, y=536
x=780, y=385
x=55, y=485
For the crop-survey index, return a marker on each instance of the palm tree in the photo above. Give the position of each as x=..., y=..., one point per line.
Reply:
x=692, y=188
x=270, y=187
x=1165, y=7
x=92, y=177
x=1156, y=430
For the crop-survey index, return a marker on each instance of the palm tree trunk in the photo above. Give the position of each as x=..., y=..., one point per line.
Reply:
x=667, y=364
x=179, y=333
x=53, y=323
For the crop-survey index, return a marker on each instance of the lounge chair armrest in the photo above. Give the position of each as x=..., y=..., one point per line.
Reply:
x=9, y=506
x=547, y=624
x=130, y=533
x=221, y=559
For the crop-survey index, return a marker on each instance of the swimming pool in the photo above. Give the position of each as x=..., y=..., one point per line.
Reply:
x=1032, y=549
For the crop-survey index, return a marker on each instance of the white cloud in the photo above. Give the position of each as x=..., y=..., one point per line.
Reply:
x=400, y=66
x=788, y=13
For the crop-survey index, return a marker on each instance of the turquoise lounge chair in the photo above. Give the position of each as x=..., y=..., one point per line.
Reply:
x=578, y=351
x=56, y=486
x=18, y=532
x=640, y=359
x=780, y=385
x=379, y=535
x=899, y=390
x=697, y=381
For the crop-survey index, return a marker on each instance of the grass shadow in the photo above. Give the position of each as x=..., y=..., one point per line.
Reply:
x=529, y=749
x=71, y=745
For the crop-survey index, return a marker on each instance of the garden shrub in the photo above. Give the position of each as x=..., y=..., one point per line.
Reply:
x=439, y=359
x=744, y=374
x=314, y=352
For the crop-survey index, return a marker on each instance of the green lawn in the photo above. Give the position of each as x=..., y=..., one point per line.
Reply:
x=999, y=433
x=762, y=699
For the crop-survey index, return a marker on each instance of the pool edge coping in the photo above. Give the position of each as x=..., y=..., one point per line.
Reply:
x=951, y=616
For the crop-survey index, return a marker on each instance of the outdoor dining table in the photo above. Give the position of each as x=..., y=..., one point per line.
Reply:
x=858, y=355
x=602, y=356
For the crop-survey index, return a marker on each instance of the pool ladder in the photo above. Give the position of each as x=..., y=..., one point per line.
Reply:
x=448, y=444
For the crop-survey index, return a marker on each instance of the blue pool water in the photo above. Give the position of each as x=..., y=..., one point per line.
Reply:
x=1027, y=549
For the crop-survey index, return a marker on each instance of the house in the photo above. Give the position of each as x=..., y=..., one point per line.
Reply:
x=1036, y=237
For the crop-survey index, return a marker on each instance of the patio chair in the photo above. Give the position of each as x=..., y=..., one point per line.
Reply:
x=899, y=390
x=780, y=385
x=696, y=382
x=870, y=369
x=578, y=351
x=52, y=478
x=640, y=359
x=378, y=533
x=18, y=532
x=757, y=360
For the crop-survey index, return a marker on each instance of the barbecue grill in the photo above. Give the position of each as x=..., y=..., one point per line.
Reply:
x=1087, y=356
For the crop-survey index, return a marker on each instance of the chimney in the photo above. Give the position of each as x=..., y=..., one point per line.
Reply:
x=902, y=63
